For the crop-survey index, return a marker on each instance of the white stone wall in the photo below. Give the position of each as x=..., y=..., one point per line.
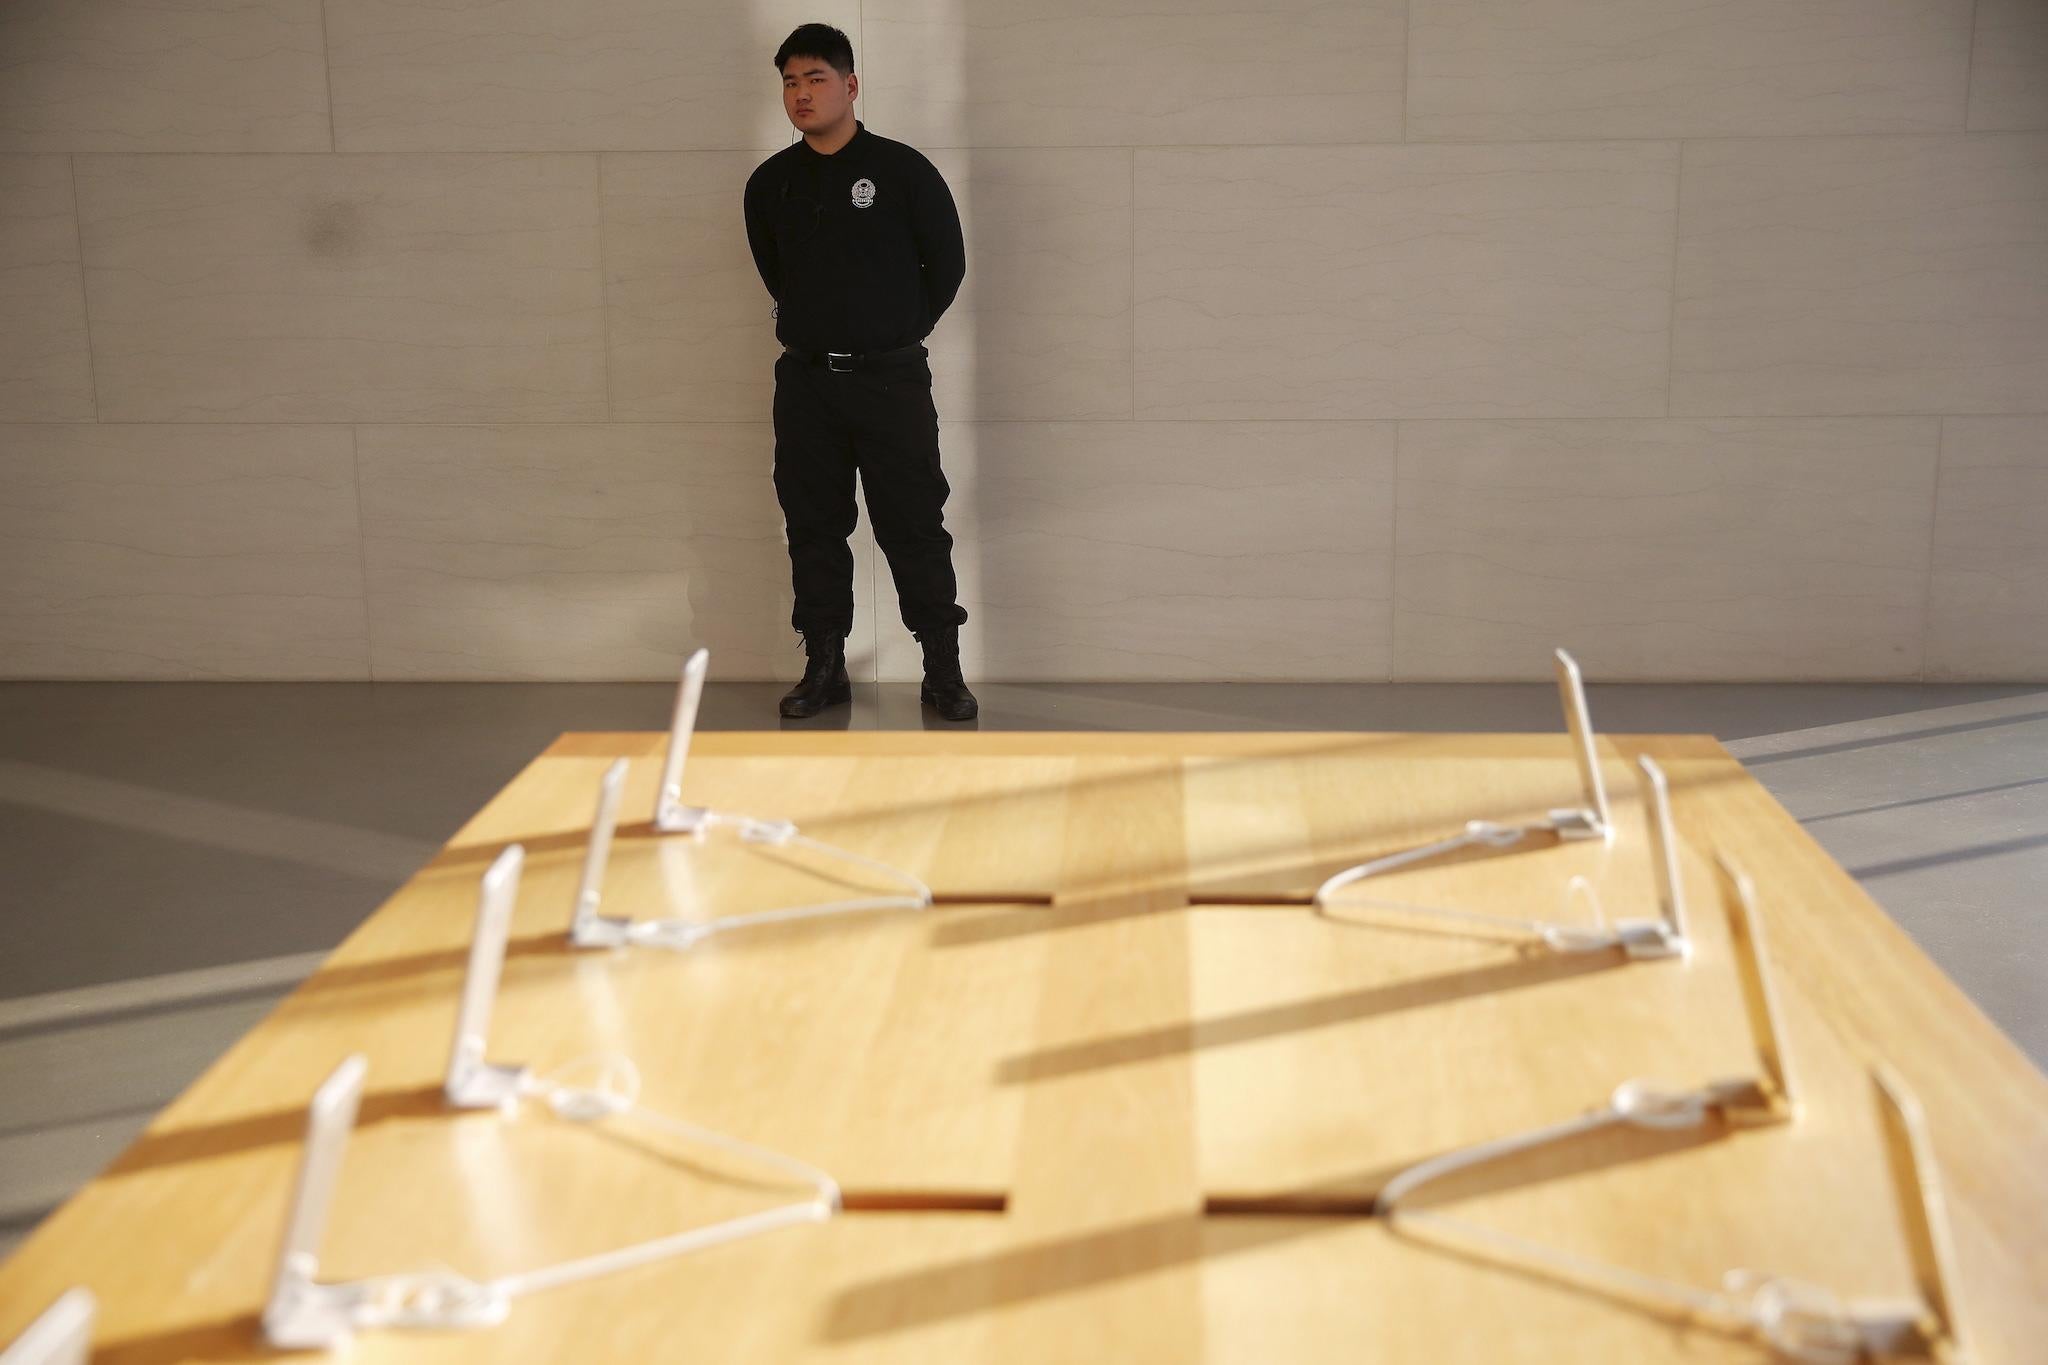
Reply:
x=1302, y=339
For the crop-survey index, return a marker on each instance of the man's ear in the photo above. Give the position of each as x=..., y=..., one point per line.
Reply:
x=852, y=86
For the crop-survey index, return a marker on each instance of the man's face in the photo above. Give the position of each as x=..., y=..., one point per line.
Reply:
x=816, y=97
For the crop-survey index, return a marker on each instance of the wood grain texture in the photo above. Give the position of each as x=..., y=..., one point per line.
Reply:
x=1129, y=1064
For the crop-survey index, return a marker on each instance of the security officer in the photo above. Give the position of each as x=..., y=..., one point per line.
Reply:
x=858, y=241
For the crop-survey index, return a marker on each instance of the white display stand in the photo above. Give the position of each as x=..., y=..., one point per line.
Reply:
x=1661, y=936
x=589, y=929
x=303, y=1311
x=61, y=1336
x=1798, y=1321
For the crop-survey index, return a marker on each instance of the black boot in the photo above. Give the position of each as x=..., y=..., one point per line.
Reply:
x=944, y=690
x=824, y=682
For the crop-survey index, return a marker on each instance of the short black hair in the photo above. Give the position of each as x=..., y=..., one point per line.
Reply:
x=817, y=40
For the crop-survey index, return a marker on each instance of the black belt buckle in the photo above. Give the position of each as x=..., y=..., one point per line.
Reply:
x=832, y=359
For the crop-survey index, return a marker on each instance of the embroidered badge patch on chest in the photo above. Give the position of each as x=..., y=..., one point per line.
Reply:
x=863, y=193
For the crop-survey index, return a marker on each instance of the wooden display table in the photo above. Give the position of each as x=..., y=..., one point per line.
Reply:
x=1119, y=1095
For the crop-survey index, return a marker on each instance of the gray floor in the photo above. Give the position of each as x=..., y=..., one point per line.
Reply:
x=178, y=855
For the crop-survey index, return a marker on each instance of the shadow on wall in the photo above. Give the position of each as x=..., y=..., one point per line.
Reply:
x=937, y=50
x=952, y=78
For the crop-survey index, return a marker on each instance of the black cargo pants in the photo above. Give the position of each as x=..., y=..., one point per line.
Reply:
x=830, y=424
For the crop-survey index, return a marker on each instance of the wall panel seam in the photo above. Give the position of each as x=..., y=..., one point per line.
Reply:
x=327, y=78
x=604, y=292
x=1079, y=421
x=1407, y=63
x=92, y=365
x=1671, y=318
x=355, y=459
x=1394, y=557
x=1933, y=536
x=1316, y=147
x=1970, y=65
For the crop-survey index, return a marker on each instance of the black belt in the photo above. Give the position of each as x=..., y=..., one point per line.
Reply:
x=840, y=362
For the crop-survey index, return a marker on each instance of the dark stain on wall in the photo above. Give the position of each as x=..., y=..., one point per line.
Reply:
x=334, y=229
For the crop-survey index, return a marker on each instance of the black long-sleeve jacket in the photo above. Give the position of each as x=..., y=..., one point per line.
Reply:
x=861, y=249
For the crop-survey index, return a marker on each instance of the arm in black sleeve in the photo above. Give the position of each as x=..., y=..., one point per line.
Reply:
x=940, y=247
x=760, y=211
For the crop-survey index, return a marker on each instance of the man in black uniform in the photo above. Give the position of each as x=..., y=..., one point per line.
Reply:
x=857, y=239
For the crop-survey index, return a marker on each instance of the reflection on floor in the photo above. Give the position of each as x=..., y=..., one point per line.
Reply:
x=178, y=856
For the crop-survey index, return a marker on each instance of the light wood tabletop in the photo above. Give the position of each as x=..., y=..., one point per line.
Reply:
x=1120, y=1093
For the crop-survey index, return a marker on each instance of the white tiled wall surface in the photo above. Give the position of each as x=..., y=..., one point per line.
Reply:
x=582, y=551
x=146, y=76
x=45, y=358
x=181, y=551
x=539, y=75
x=1665, y=548
x=1301, y=339
x=690, y=332
x=1990, y=550
x=1228, y=550
x=1136, y=73
x=1042, y=326
x=1863, y=275
x=1509, y=69
x=343, y=288
x=1405, y=281
x=2009, y=65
